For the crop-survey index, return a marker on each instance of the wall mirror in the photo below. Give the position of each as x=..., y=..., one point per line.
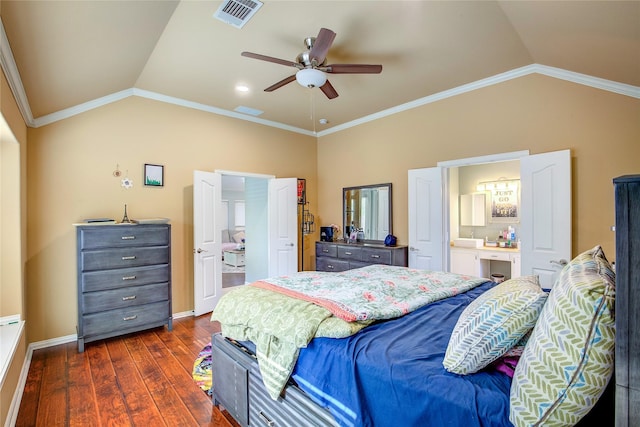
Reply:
x=367, y=208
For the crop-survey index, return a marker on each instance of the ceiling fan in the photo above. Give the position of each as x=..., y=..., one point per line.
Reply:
x=311, y=65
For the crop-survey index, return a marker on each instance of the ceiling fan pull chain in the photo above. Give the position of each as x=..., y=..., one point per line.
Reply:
x=312, y=110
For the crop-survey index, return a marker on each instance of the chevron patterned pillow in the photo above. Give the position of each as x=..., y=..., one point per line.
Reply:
x=493, y=323
x=569, y=358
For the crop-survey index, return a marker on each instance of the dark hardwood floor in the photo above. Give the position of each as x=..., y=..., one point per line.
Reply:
x=142, y=379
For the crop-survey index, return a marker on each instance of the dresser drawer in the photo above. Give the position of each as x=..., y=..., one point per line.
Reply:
x=112, y=279
x=331, y=264
x=326, y=249
x=121, y=258
x=495, y=256
x=351, y=253
x=125, y=318
x=93, y=302
x=376, y=256
x=122, y=235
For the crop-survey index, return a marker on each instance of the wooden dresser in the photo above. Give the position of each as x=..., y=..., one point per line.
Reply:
x=333, y=256
x=124, y=279
x=627, y=372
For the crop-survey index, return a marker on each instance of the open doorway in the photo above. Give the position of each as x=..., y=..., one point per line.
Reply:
x=233, y=239
x=484, y=218
x=270, y=232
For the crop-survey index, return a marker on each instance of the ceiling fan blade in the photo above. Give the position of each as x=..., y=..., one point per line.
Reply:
x=329, y=90
x=321, y=45
x=353, y=69
x=281, y=83
x=271, y=59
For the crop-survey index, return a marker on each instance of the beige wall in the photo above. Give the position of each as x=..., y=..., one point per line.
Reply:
x=70, y=176
x=13, y=142
x=13, y=136
x=534, y=113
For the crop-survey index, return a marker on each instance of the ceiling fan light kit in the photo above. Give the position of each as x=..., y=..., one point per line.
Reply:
x=312, y=67
x=311, y=77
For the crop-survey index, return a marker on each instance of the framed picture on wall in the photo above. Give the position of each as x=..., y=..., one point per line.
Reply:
x=505, y=203
x=302, y=191
x=153, y=175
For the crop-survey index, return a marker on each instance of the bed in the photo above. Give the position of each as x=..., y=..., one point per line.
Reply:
x=416, y=361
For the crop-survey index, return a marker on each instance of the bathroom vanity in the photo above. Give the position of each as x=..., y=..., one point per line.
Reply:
x=485, y=261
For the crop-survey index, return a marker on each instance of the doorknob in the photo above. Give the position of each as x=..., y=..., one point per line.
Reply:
x=562, y=262
x=201, y=250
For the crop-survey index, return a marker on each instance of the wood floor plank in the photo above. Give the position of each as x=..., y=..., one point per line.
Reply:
x=198, y=402
x=183, y=352
x=28, y=411
x=140, y=405
x=166, y=398
x=83, y=410
x=193, y=335
x=113, y=410
x=52, y=402
x=111, y=382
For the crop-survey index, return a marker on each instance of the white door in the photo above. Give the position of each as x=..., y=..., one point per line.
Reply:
x=426, y=223
x=545, y=214
x=283, y=226
x=207, y=236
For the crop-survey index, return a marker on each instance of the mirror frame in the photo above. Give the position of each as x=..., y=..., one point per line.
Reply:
x=344, y=211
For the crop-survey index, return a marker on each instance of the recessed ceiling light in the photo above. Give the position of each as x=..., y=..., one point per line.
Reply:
x=242, y=88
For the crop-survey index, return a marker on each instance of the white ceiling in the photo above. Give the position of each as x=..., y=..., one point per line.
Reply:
x=70, y=53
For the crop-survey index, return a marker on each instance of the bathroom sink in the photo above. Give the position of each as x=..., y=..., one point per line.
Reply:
x=466, y=242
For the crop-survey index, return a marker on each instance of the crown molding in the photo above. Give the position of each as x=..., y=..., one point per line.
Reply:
x=15, y=83
x=219, y=111
x=558, y=73
x=13, y=77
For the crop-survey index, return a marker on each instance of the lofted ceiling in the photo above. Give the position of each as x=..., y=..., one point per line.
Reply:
x=70, y=56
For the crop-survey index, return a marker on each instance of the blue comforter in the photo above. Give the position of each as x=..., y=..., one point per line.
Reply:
x=391, y=374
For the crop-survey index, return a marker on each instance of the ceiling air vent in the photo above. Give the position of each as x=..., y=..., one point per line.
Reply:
x=237, y=12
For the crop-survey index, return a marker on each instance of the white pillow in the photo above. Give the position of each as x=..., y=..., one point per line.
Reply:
x=493, y=323
x=238, y=237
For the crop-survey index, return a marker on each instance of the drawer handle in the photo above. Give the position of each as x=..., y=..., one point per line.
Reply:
x=127, y=258
x=326, y=251
x=130, y=318
x=128, y=277
x=129, y=298
x=266, y=419
x=330, y=267
x=348, y=253
x=128, y=237
x=375, y=256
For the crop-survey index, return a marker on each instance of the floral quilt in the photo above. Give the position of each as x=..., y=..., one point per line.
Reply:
x=374, y=292
x=280, y=323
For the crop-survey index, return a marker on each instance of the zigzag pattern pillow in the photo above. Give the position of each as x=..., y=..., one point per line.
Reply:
x=493, y=323
x=569, y=358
